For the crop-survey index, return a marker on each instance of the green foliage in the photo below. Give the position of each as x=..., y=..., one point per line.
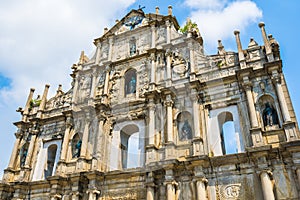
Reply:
x=189, y=26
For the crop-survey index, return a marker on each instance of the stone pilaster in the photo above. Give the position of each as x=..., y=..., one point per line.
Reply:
x=27, y=105
x=267, y=186
x=201, y=188
x=43, y=102
x=168, y=70
x=269, y=52
x=240, y=50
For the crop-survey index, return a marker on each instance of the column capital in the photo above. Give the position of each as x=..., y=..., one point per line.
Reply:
x=168, y=103
x=247, y=86
x=276, y=79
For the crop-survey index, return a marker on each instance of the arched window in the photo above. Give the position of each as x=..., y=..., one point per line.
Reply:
x=130, y=146
x=51, y=155
x=227, y=133
x=185, y=126
x=76, y=146
x=130, y=82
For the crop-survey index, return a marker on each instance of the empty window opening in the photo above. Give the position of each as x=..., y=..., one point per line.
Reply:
x=51, y=155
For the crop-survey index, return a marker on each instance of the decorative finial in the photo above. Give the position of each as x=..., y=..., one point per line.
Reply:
x=157, y=10
x=170, y=11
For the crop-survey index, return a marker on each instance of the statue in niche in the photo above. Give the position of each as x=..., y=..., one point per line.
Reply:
x=131, y=88
x=23, y=155
x=186, y=131
x=77, y=149
x=132, y=49
x=269, y=115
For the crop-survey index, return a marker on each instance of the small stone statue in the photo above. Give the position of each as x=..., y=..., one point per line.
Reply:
x=186, y=131
x=269, y=115
x=132, y=86
x=132, y=49
x=77, y=149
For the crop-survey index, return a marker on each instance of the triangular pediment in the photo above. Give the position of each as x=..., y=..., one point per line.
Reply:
x=133, y=20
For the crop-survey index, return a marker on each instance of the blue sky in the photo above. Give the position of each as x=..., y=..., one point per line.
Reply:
x=40, y=40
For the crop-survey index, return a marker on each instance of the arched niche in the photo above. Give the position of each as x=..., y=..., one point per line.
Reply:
x=185, y=127
x=23, y=153
x=76, y=144
x=130, y=82
x=268, y=112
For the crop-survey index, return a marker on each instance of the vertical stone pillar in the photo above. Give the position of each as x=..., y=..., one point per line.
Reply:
x=201, y=189
x=98, y=146
x=281, y=99
x=27, y=105
x=151, y=129
x=240, y=49
x=196, y=120
x=150, y=193
x=192, y=63
x=94, y=78
x=75, y=89
x=66, y=139
x=168, y=24
x=110, y=49
x=107, y=69
x=43, y=102
x=153, y=33
x=168, y=71
x=30, y=150
x=98, y=53
x=14, y=153
x=93, y=194
x=153, y=69
x=269, y=53
x=298, y=175
x=169, y=107
x=252, y=112
x=85, y=138
x=170, y=191
x=267, y=186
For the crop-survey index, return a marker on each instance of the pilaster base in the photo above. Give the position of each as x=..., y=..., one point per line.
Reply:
x=170, y=151
x=290, y=131
x=151, y=154
x=198, y=147
x=256, y=135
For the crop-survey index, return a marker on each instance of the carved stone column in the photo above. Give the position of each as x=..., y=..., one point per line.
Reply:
x=281, y=99
x=27, y=105
x=150, y=193
x=169, y=107
x=168, y=25
x=98, y=146
x=240, y=50
x=298, y=175
x=110, y=51
x=269, y=52
x=171, y=190
x=75, y=89
x=85, y=137
x=267, y=186
x=66, y=139
x=168, y=70
x=192, y=63
x=15, y=150
x=153, y=33
x=98, y=53
x=201, y=189
x=30, y=149
x=151, y=127
x=43, y=102
x=256, y=134
x=107, y=69
x=93, y=85
x=153, y=71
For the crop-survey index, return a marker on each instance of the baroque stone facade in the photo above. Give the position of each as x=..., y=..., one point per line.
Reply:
x=150, y=116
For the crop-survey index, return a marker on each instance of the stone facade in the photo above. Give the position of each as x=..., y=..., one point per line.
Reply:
x=150, y=116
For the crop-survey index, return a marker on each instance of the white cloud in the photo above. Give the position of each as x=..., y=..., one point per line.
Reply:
x=219, y=18
x=40, y=40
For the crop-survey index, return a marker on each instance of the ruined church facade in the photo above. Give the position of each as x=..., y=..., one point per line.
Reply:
x=150, y=116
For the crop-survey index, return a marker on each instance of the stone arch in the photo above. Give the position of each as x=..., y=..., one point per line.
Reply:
x=227, y=132
x=217, y=119
x=185, y=126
